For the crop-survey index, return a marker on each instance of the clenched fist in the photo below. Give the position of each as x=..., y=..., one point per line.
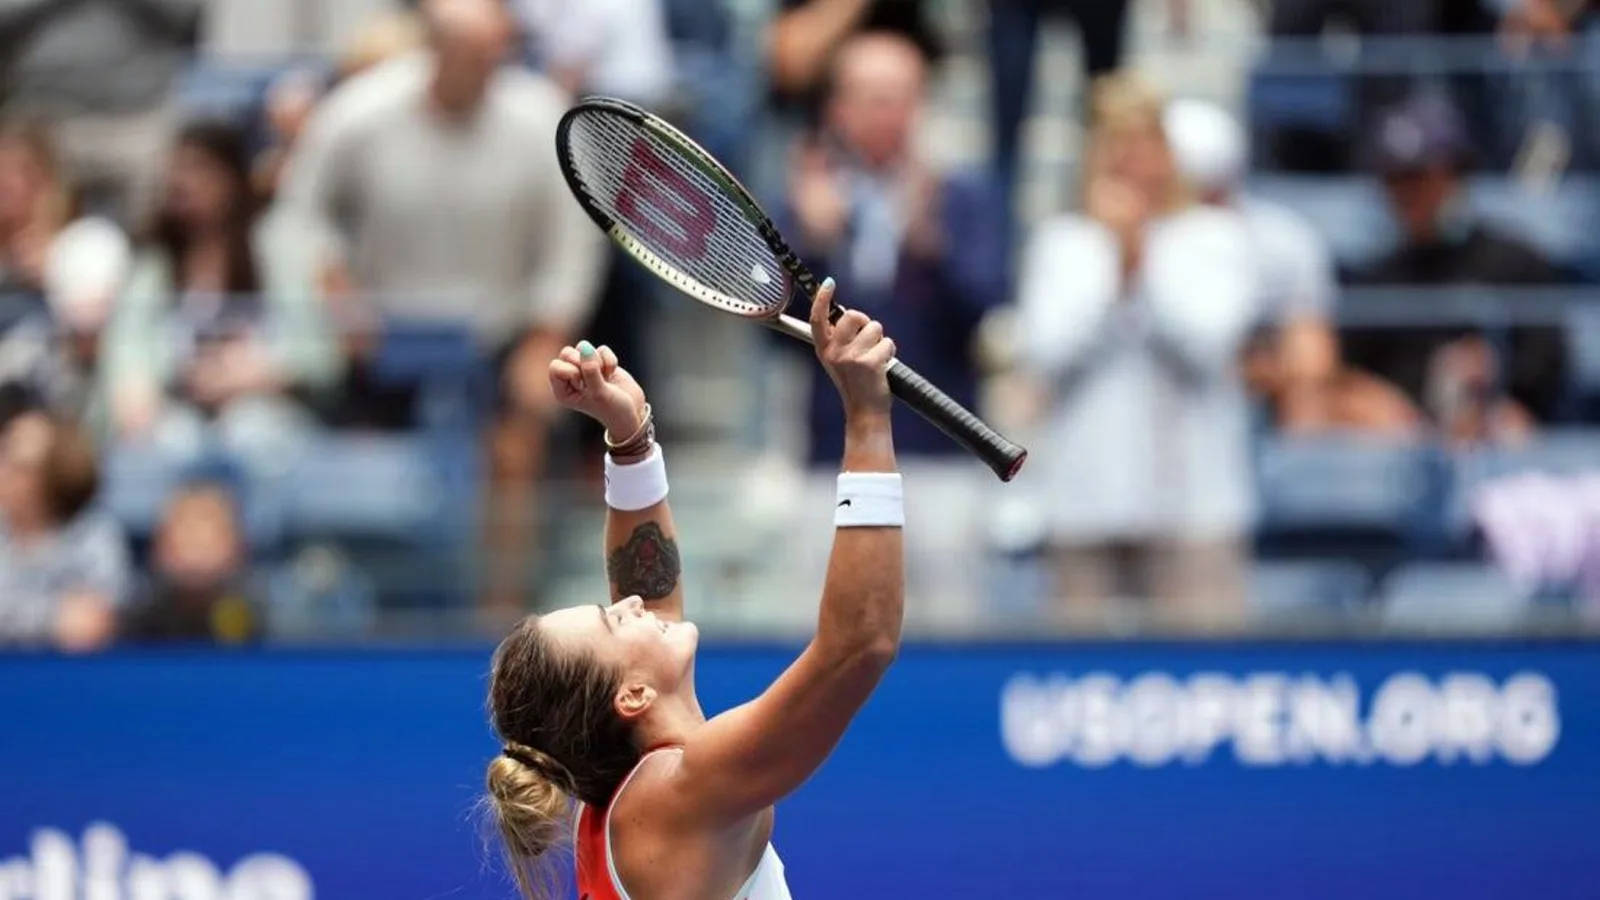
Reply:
x=590, y=380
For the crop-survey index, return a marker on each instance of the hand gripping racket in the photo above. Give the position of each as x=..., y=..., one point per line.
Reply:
x=684, y=216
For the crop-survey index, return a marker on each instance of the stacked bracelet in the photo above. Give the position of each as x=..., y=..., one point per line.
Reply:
x=638, y=445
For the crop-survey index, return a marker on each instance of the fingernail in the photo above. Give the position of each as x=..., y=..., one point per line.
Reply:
x=827, y=283
x=585, y=349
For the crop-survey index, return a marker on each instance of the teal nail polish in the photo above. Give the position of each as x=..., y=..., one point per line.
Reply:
x=585, y=349
x=827, y=283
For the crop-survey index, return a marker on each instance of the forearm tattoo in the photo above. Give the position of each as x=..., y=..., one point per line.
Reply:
x=647, y=564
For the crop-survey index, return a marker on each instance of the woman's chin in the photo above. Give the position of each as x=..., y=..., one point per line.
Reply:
x=684, y=637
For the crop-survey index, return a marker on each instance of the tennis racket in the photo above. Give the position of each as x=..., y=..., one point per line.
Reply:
x=684, y=217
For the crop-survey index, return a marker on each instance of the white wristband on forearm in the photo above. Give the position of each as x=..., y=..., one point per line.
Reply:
x=869, y=500
x=639, y=485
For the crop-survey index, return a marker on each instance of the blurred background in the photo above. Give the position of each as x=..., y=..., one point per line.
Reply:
x=1295, y=302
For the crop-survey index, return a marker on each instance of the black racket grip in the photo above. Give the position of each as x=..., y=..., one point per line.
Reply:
x=999, y=454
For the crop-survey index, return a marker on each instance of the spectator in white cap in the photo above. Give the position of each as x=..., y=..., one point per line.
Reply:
x=1294, y=361
x=1132, y=314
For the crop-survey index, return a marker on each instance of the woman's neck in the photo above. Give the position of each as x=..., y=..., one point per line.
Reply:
x=670, y=723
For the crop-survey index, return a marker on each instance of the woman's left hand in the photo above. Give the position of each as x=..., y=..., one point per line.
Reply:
x=590, y=380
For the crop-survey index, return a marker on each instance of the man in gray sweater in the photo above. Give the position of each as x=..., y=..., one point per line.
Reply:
x=433, y=186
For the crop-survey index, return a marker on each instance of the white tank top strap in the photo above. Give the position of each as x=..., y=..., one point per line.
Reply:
x=611, y=858
x=765, y=883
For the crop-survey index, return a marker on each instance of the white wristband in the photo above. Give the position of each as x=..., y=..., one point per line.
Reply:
x=868, y=500
x=639, y=485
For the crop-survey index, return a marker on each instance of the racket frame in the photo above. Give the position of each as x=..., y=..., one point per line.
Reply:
x=1004, y=457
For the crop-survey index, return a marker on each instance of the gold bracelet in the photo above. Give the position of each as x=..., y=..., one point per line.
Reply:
x=639, y=442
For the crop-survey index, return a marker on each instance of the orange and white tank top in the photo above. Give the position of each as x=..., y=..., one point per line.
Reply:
x=597, y=872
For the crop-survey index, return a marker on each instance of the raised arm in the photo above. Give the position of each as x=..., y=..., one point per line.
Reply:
x=641, y=544
x=750, y=756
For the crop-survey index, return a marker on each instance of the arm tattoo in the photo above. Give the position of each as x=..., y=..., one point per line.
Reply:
x=647, y=564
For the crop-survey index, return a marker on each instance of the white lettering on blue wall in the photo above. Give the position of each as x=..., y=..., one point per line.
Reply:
x=1269, y=719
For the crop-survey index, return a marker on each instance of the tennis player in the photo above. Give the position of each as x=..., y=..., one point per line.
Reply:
x=596, y=704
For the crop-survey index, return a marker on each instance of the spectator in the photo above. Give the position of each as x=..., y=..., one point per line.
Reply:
x=102, y=72
x=380, y=38
x=613, y=47
x=35, y=205
x=200, y=585
x=203, y=348
x=419, y=173
x=1013, y=35
x=250, y=29
x=807, y=33
x=433, y=176
x=1133, y=312
x=1294, y=364
x=1551, y=21
x=923, y=253
x=1421, y=152
x=63, y=565
x=59, y=276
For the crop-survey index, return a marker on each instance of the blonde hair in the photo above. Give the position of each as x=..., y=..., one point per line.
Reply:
x=1122, y=103
x=563, y=743
x=534, y=818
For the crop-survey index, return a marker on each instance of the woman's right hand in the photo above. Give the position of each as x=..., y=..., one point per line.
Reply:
x=855, y=354
x=590, y=380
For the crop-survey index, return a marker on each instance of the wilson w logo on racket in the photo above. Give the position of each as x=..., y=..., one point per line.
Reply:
x=684, y=217
x=665, y=204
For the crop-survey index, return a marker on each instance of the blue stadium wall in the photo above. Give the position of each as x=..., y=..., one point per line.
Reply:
x=1301, y=770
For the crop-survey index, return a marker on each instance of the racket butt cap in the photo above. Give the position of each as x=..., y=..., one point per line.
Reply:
x=1015, y=467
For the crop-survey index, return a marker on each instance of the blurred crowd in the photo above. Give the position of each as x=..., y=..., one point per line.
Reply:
x=263, y=264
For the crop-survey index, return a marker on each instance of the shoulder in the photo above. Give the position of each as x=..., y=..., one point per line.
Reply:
x=1513, y=258
x=374, y=97
x=971, y=183
x=1280, y=225
x=650, y=799
x=1069, y=231
x=95, y=534
x=528, y=98
x=654, y=770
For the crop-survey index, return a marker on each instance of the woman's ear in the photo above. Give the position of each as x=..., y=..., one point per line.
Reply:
x=633, y=699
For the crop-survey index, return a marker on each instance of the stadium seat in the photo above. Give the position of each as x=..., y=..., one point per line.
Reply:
x=136, y=482
x=1583, y=357
x=1451, y=597
x=404, y=506
x=445, y=361
x=370, y=485
x=1563, y=221
x=1306, y=591
x=1352, y=214
x=222, y=89
x=1346, y=494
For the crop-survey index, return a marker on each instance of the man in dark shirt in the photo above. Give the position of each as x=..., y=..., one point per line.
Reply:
x=1420, y=151
x=923, y=253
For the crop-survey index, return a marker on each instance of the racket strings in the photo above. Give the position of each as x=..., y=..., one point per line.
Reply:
x=678, y=212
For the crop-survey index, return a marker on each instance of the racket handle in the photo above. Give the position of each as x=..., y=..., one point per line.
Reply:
x=999, y=454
